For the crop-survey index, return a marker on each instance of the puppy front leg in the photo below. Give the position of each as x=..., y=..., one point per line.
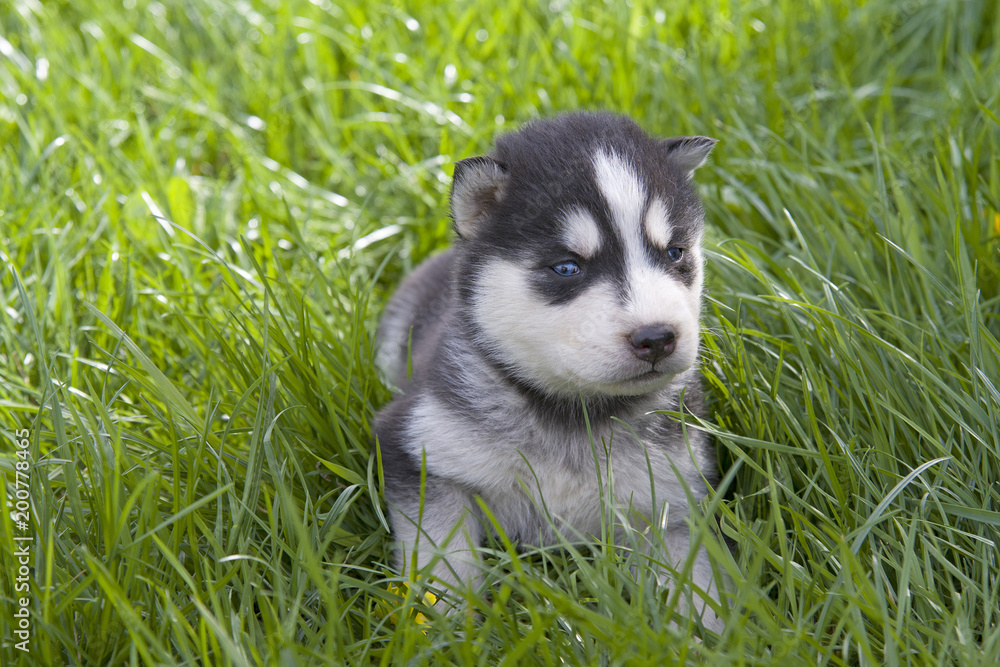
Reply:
x=444, y=532
x=678, y=543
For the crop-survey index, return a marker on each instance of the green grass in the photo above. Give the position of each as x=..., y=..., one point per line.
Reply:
x=203, y=206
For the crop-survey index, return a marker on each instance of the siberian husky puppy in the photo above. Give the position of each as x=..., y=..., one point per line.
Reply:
x=533, y=354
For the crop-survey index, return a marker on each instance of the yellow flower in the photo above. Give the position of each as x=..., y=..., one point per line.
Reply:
x=429, y=599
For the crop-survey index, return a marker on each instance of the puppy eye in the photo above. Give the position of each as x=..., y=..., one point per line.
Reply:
x=675, y=253
x=566, y=268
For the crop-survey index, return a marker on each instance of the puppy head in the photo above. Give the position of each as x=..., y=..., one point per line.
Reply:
x=580, y=264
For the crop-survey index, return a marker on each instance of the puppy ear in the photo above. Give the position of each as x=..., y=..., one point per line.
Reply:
x=689, y=153
x=479, y=183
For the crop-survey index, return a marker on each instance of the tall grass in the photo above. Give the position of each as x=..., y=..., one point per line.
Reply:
x=204, y=204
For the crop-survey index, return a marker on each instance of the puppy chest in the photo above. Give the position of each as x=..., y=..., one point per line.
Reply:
x=536, y=497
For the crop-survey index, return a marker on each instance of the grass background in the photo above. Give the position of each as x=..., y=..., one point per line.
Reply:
x=204, y=204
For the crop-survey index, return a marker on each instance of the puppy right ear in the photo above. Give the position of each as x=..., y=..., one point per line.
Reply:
x=478, y=185
x=689, y=152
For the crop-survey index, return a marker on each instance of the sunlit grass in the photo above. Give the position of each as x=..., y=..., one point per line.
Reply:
x=203, y=206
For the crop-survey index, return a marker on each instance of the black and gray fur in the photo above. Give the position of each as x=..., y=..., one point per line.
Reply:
x=574, y=286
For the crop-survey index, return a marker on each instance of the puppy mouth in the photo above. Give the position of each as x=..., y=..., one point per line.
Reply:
x=650, y=375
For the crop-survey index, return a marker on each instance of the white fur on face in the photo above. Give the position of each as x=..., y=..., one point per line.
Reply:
x=581, y=233
x=657, y=224
x=583, y=345
x=621, y=188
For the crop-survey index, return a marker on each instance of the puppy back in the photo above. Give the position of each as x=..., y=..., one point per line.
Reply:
x=413, y=318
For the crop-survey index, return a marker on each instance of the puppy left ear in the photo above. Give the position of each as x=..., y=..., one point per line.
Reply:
x=689, y=153
x=478, y=185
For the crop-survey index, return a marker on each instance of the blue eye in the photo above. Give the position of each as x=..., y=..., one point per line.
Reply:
x=675, y=254
x=566, y=268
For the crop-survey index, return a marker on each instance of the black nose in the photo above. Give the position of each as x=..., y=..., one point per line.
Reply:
x=654, y=342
